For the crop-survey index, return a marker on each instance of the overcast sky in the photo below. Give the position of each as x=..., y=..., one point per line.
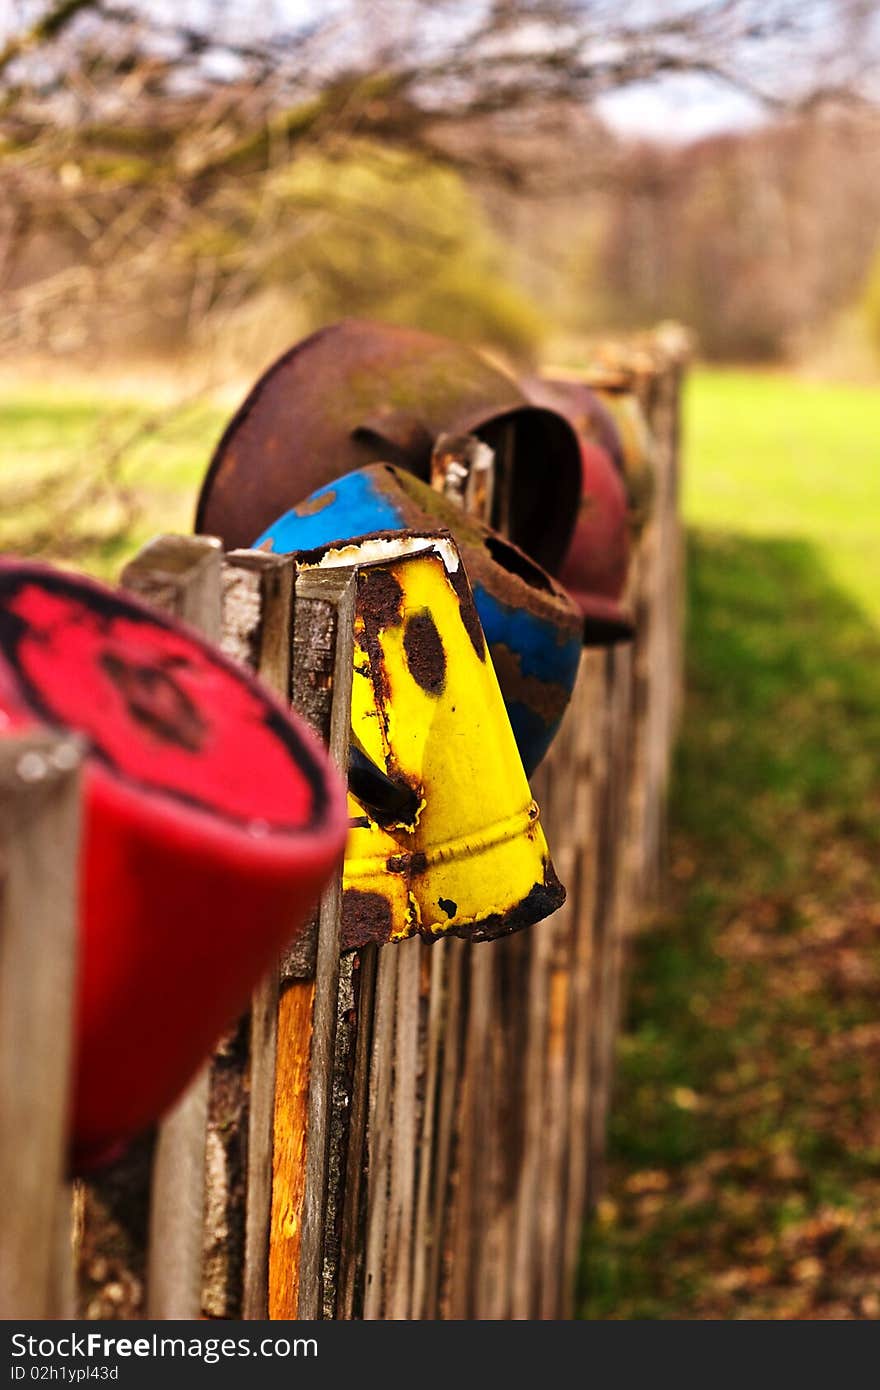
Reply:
x=679, y=109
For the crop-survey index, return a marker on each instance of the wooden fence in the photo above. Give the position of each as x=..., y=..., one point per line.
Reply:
x=412, y=1131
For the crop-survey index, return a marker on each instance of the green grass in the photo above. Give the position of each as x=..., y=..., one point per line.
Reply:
x=745, y=1140
x=87, y=477
x=772, y=455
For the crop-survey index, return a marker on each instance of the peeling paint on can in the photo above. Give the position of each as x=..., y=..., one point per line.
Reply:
x=532, y=627
x=473, y=861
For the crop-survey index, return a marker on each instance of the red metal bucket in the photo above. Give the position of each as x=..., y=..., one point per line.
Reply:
x=595, y=566
x=211, y=821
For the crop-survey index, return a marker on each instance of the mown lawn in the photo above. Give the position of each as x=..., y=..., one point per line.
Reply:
x=87, y=476
x=745, y=1145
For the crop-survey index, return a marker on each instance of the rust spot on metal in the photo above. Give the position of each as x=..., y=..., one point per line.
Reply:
x=365, y=917
x=491, y=562
x=312, y=506
x=469, y=616
x=448, y=906
x=381, y=596
x=425, y=654
x=543, y=900
x=547, y=699
x=409, y=864
x=380, y=603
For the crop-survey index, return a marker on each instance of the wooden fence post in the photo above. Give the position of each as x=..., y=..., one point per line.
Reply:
x=181, y=576
x=140, y=1246
x=307, y=1017
x=257, y=618
x=39, y=849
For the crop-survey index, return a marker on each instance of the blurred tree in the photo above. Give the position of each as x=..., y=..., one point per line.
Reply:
x=756, y=240
x=870, y=301
x=145, y=146
x=369, y=231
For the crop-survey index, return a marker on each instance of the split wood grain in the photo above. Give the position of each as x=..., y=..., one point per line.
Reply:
x=307, y=1015
x=449, y=983
x=39, y=867
x=401, y=1214
x=379, y=1132
x=181, y=575
x=352, y=1199
x=256, y=623
x=586, y=813
x=434, y=974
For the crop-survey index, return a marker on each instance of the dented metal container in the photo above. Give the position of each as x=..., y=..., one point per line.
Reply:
x=532, y=627
x=357, y=393
x=616, y=390
x=463, y=851
x=211, y=820
x=595, y=568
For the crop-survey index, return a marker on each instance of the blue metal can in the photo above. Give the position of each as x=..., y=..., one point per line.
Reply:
x=532, y=628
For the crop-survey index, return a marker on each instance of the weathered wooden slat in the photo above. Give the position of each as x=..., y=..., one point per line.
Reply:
x=478, y=1181
x=261, y=1114
x=585, y=811
x=353, y=1199
x=307, y=1015
x=528, y=1077
x=341, y=1122
x=434, y=974
x=447, y=1182
x=181, y=575
x=294, y=1046
x=379, y=1131
x=525, y=1274
x=614, y=900
x=257, y=614
x=571, y=843
x=510, y=1050
x=226, y=1162
x=39, y=849
x=404, y=1131
x=174, y=1257
x=309, y=588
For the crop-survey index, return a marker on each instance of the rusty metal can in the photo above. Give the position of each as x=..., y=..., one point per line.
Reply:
x=468, y=856
x=211, y=820
x=597, y=562
x=358, y=392
x=616, y=391
x=532, y=627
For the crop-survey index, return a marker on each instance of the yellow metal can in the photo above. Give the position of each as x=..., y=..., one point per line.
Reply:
x=472, y=859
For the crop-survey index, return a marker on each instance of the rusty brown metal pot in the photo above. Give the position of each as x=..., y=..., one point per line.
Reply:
x=595, y=567
x=359, y=392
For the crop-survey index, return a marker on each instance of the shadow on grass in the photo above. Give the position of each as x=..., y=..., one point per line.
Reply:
x=747, y=1098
